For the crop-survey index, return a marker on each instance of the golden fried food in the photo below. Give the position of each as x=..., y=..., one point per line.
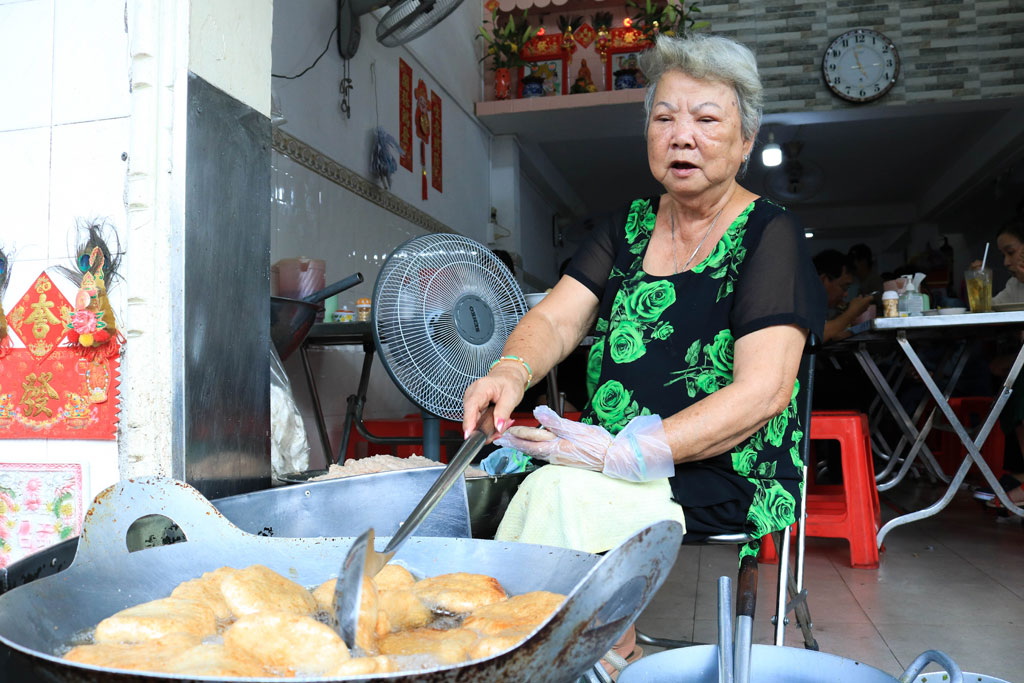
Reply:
x=448, y=646
x=520, y=613
x=392, y=577
x=403, y=609
x=213, y=659
x=153, y=657
x=205, y=589
x=372, y=621
x=259, y=589
x=488, y=646
x=286, y=642
x=357, y=666
x=155, y=619
x=458, y=592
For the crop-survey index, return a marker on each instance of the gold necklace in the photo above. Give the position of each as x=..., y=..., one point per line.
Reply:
x=672, y=222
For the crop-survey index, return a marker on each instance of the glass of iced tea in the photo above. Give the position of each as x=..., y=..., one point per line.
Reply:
x=979, y=289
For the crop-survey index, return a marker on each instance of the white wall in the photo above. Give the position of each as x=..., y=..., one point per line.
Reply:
x=238, y=67
x=63, y=129
x=314, y=217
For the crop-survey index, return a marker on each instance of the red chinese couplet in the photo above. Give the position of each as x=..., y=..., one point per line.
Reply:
x=62, y=396
x=436, y=168
x=405, y=113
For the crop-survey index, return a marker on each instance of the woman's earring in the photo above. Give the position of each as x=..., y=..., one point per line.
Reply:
x=746, y=158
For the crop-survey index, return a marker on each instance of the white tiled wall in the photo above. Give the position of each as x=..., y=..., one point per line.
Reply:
x=313, y=217
x=63, y=131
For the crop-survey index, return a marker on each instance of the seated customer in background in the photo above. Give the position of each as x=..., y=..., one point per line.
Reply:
x=835, y=276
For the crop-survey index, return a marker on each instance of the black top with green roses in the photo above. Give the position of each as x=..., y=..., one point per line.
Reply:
x=664, y=343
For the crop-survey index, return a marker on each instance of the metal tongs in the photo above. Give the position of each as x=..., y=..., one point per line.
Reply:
x=363, y=560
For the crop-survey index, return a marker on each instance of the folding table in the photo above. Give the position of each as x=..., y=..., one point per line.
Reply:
x=877, y=337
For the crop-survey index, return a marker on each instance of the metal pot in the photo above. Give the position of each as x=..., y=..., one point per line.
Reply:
x=605, y=594
x=772, y=664
x=291, y=319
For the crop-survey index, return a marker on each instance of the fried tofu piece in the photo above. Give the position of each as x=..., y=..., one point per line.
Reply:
x=393, y=577
x=357, y=666
x=156, y=619
x=323, y=595
x=449, y=646
x=286, y=642
x=153, y=656
x=404, y=609
x=260, y=589
x=488, y=646
x=213, y=659
x=372, y=622
x=519, y=613
x=205, y=589
x=459, y=592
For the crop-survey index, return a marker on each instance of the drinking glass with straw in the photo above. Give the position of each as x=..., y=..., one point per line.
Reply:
x=979, y=286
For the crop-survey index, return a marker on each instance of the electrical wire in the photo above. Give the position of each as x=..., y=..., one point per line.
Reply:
x=302, y=73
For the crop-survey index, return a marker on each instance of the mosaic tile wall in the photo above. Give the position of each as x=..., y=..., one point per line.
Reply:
x=948, y=50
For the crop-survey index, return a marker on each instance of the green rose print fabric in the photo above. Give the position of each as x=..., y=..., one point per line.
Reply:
x=663, y=343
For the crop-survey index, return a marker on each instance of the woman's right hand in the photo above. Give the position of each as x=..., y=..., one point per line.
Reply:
x=503, y=387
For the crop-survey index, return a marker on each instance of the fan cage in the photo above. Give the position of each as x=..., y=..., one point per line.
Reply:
x=427, y=15
x=414, y=325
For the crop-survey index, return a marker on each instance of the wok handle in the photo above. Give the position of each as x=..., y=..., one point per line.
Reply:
x=340, y=286
x=454, y=470
x=746, y=601
x=927, y=657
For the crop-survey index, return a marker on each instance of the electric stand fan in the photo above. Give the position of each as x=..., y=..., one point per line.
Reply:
x=443, y=307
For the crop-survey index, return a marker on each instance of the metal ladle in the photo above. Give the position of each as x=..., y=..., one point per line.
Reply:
x=363, y=560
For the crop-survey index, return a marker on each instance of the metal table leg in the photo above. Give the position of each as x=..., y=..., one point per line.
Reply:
x=321, y=426
x=929, y=459
x=973, y=447
x=907, y=424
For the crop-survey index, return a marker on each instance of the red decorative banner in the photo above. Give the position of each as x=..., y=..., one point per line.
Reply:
x=423, y=129
x=62, y=396
x=40, y=317
x=436, y=167
x=40, y=504
x=405, y=113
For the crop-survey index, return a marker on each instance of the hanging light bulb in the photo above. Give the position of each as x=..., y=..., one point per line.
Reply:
x=540, y=26
x=771, y=154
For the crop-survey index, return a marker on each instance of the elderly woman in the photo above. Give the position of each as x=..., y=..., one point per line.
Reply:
x=701, y=303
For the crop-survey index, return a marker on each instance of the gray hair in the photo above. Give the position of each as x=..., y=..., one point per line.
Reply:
x=711, y=58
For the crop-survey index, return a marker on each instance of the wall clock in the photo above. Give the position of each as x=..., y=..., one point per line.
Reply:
x=861, y=65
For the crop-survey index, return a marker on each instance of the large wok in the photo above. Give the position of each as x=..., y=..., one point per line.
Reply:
x=605, y=594
x=291, y=319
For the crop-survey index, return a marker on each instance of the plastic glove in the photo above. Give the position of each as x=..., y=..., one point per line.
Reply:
x=639, y=453
x=576, y=445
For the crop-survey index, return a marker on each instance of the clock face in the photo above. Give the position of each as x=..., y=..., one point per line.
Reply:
x=861, y=65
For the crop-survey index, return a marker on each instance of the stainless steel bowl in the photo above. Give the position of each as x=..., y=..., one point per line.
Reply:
x=488, y=499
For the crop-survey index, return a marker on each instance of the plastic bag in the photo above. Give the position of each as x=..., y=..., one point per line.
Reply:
x=289, y=449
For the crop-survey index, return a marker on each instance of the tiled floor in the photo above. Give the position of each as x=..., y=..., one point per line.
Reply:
x=953, y=582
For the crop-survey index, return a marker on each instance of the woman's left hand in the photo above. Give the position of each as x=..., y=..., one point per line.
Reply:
x=640, y=452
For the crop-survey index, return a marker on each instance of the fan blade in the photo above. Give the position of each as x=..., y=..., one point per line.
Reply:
x=410, y=19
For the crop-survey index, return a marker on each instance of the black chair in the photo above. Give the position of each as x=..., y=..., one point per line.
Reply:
x=791, y=595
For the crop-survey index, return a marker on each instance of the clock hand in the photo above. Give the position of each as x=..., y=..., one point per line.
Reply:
x=856, y=56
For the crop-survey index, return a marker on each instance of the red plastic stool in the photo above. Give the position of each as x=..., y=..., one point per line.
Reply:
x=971, y=410
x=849, y=510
